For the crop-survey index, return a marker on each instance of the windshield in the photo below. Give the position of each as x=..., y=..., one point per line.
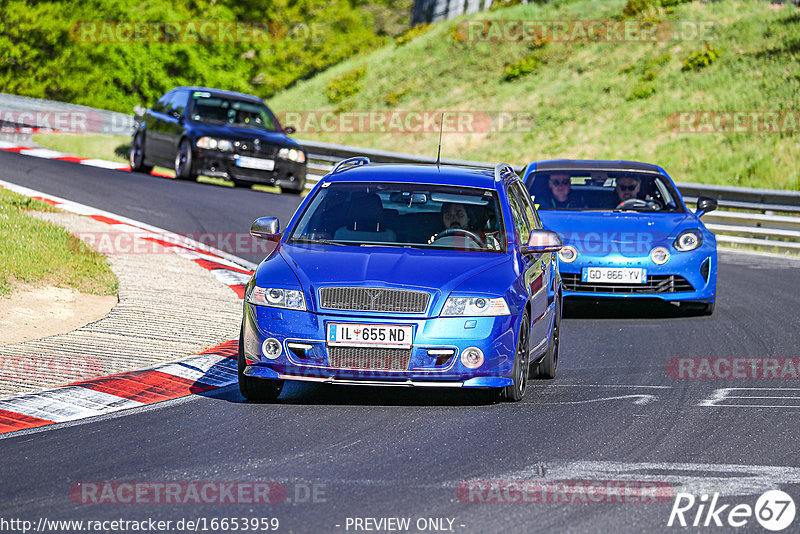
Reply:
x=208, y=108
x=405, y=215
x=603, y=191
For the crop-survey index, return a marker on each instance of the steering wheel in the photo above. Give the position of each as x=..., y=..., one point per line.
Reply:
x=460, y=231
x=633, y=204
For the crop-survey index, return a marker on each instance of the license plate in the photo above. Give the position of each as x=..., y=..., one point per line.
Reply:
x=614, y=275
x=255, y=163
x=370, y=335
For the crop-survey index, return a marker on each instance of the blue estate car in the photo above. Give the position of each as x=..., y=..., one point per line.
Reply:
x=627, y=232
x=369, y=285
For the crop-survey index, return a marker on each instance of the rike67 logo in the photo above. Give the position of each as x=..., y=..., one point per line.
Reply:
x=774, y=510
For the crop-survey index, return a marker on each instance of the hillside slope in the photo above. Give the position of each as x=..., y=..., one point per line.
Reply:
x=587, y=99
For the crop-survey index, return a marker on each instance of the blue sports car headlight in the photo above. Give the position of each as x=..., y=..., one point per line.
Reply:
x=277, y=298
x=475, y=307
x=688, y=240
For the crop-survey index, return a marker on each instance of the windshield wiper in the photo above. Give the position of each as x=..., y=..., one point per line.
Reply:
x=315, y=241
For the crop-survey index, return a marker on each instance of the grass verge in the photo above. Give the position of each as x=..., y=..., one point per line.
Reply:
x=37, y=252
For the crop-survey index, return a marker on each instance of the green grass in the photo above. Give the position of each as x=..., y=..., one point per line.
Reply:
x=37, y=252
x=589, y=100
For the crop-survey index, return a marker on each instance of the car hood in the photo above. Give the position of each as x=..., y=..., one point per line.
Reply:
x=232, y=132
x=436, y=271
x=580, y=228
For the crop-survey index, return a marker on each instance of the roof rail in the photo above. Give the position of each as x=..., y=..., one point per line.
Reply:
x=350, y=162
x=502, y=170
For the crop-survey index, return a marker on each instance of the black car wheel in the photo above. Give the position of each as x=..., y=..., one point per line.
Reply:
x=136, y=155
x=549, y=364
x=184, y=166
x=516, y=391
x=255, y=389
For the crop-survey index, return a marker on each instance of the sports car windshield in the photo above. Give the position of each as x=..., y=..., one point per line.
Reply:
x=403, y=215
x=214, y=109
x=603, y=191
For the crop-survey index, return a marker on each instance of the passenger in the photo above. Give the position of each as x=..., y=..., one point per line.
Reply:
x=561, y=195
x=628, y=188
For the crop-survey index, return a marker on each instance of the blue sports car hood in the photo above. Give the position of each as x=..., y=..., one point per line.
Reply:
x=437, y=271
x=581, y=228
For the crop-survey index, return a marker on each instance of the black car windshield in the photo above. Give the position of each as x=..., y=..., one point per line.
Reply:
x=597, y=190
x=212, y=108
x=403, y=215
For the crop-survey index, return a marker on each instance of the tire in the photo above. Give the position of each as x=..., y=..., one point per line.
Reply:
x=255, y=389
x=516, y=391
x=136, y=156
x=184, y=166
x=548, y=365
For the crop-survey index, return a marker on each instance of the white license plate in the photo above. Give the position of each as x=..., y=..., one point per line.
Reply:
x=370, y=335
x=614, y=275
x=255, y=163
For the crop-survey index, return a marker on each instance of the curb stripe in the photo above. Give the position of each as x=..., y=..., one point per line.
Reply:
x=209, y=370
x=12, y=421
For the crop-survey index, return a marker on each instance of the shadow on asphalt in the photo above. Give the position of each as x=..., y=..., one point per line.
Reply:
x=304, y=394
x=589, y=308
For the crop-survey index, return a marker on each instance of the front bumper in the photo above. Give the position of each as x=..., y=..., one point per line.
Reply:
x=305, y=355
x=217, y=164
x=687, y=276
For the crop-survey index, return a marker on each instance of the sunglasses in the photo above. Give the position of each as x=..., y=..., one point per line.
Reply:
x=627, y=187
x=565, y=181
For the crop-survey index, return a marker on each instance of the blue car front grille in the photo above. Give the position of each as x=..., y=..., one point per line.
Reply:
x=373, y=299
x=659, y=283
x=369, y=359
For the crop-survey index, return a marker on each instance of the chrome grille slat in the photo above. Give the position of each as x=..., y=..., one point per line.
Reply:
x=658, y=283
x=369, y=359
x=373, y=299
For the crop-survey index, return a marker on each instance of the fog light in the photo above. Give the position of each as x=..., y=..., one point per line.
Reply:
x=659, y=255
x=271, y=348
x=568, y=254
x=472, y=358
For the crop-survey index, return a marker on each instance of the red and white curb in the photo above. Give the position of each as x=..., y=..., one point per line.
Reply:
x=211, y=369
x=46, y=153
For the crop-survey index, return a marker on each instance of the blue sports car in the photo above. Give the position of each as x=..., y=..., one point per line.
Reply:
x=405, y=275
x=627, y=232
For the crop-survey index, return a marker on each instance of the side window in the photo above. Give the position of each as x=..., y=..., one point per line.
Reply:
x=178, y=102
x=517, y=213
x=527, y=206
x=162, y=104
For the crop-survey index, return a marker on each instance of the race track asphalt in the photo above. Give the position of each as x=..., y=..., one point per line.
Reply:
x=613, y=414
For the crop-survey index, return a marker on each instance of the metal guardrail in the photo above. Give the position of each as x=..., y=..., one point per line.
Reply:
x=745, y=216
x=764, y=218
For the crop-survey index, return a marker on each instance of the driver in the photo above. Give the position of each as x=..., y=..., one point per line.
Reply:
x=628, y=188
x=456, y=216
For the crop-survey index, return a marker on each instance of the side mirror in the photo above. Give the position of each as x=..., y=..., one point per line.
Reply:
x=289, y=130
x=705, y=204
x=265, y=228
x=541, y=242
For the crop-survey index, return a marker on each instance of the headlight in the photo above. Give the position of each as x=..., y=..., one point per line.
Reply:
x=568, y=254
x=688, y=240
x=474, y=307
x=659, y=255
x=292, y=154
x=277, y=298
x=212, y=143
